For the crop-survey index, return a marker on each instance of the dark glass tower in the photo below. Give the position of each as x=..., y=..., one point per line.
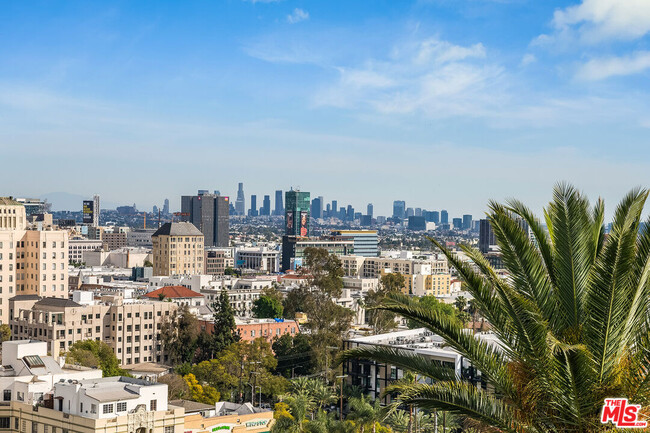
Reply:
x=210, y=214
x=296, y=215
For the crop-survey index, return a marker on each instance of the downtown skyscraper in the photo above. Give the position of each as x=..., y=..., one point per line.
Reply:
x=240, y=203
x=210, y=214
x=279, y=207
x=296, y=215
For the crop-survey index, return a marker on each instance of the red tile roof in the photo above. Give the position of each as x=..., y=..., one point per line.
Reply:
x=174, y=292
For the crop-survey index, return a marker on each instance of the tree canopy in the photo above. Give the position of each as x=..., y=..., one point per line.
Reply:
x=95, y=354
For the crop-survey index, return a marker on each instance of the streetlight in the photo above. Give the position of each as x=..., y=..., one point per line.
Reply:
x=259, y=402
x=341, y=377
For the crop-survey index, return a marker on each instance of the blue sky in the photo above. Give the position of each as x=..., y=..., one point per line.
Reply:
x=442, y=103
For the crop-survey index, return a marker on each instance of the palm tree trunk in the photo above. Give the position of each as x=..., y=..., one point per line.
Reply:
x=410, y=429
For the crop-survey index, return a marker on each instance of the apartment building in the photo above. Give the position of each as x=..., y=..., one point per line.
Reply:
x=261, y=259
x=130, y=328
x=215, y=262
x=113, y=240
x=33, y=260
x=177, y=249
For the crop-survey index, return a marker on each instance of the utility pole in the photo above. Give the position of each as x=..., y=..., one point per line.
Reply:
x=341, y=377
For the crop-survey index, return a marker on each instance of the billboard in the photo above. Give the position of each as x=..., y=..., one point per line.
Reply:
x=289, y=218
x=304, y=223
x=88, y=211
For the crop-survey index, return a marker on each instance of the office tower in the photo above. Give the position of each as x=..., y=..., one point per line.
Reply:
x=435, y=217
x=172, y=257
x=166, y=207
x=467, y=222
x=317, y=207
x=365, y=241
x=96, y=210
x=486, y=238
x=366, y=221
x=418, y=211
x=342, y=215
x=253, y=210
x=350, y=213
x=266, y=206
x=409, y=212
x=370, y=210
x=399, y=209
x=211, y=215
x=335, y=208
x=444, y=217
x=457, y=223
x=321, y=203
x=279, y=207
x=417, y=223
x=431, y=216
x=296, y=215
x=328, y=210
x=240, y=203
x=155, y=210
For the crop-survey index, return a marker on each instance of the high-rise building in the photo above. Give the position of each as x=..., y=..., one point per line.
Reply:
x=350, y=214
x=467, y=222
x=177, y=249
x=96, y=210
x=416, y=223
x=328, y=210
x=365, y=241
x=166, y=207
x=317, y=207
x=431, y=216
x=210, y=214
x=369, y=210
x=444, y=217
x=335, y=208
x=240, y=203
x=435, y=217
x=399, y=209
x=457, y=223
x=279, y=207
x=409, y=212
x=296, y=216
x=486, y=238
x=32, y=261
x=253, y=210
x=418, y=211
x=266, y=206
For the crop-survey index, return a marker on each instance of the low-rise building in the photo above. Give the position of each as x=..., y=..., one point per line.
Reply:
x=261, y=259
x=76, y=248
x=251, y=329
x=178, y=295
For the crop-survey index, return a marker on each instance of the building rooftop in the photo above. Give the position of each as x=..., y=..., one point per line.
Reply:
x=173, y=292
x=191, y=406
x=56, y=302
x=9, y=201
x=178, y=229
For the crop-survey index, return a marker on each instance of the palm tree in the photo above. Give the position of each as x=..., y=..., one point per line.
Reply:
x=572, y=320
x=291, y=413
x=365, y=413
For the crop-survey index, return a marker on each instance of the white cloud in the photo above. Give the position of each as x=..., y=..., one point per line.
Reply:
x=594, y=21
x=601, y=68
x=297, y=15
x=527, y=59
x=433, y=77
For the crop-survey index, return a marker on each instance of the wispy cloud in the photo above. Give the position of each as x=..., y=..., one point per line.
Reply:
x=430, y=76
x=297, y=16
x=601, y=68
x=594, y=21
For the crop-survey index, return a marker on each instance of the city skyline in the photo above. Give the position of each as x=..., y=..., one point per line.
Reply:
x=453, y=99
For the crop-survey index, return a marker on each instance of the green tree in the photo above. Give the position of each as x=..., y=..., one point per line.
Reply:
x=268, y=305
x=95, y=354
x=572, y=320
x=294, y=355
x=148, y=264
x=431, y=303
x=224, y=331
x=296, y=301
x=179, y=333
x=366, y=414
x=392, y=282
x=460, y=303
x=5, y=333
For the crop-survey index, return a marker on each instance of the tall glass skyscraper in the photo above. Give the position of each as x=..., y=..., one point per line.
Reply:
x=240, y=203
x=279, y=207
x=296, y=215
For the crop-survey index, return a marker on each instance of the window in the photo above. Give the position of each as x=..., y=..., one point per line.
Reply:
x=93, y=408
x=6, y=395
x=121, y=406
x=153, y=405
x=34, y=427
x=5, y=422
x=169, y=429
x=107, y=408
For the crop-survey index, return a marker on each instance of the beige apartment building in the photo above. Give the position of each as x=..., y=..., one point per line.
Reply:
x=177, y=249
x=131, y=328
x=33, y=260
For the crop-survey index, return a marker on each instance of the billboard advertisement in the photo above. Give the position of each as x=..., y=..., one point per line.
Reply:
x=304, y=223
x=88, y=211
x=289, y=218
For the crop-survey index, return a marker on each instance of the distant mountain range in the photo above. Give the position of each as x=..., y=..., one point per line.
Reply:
x=72, y=202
